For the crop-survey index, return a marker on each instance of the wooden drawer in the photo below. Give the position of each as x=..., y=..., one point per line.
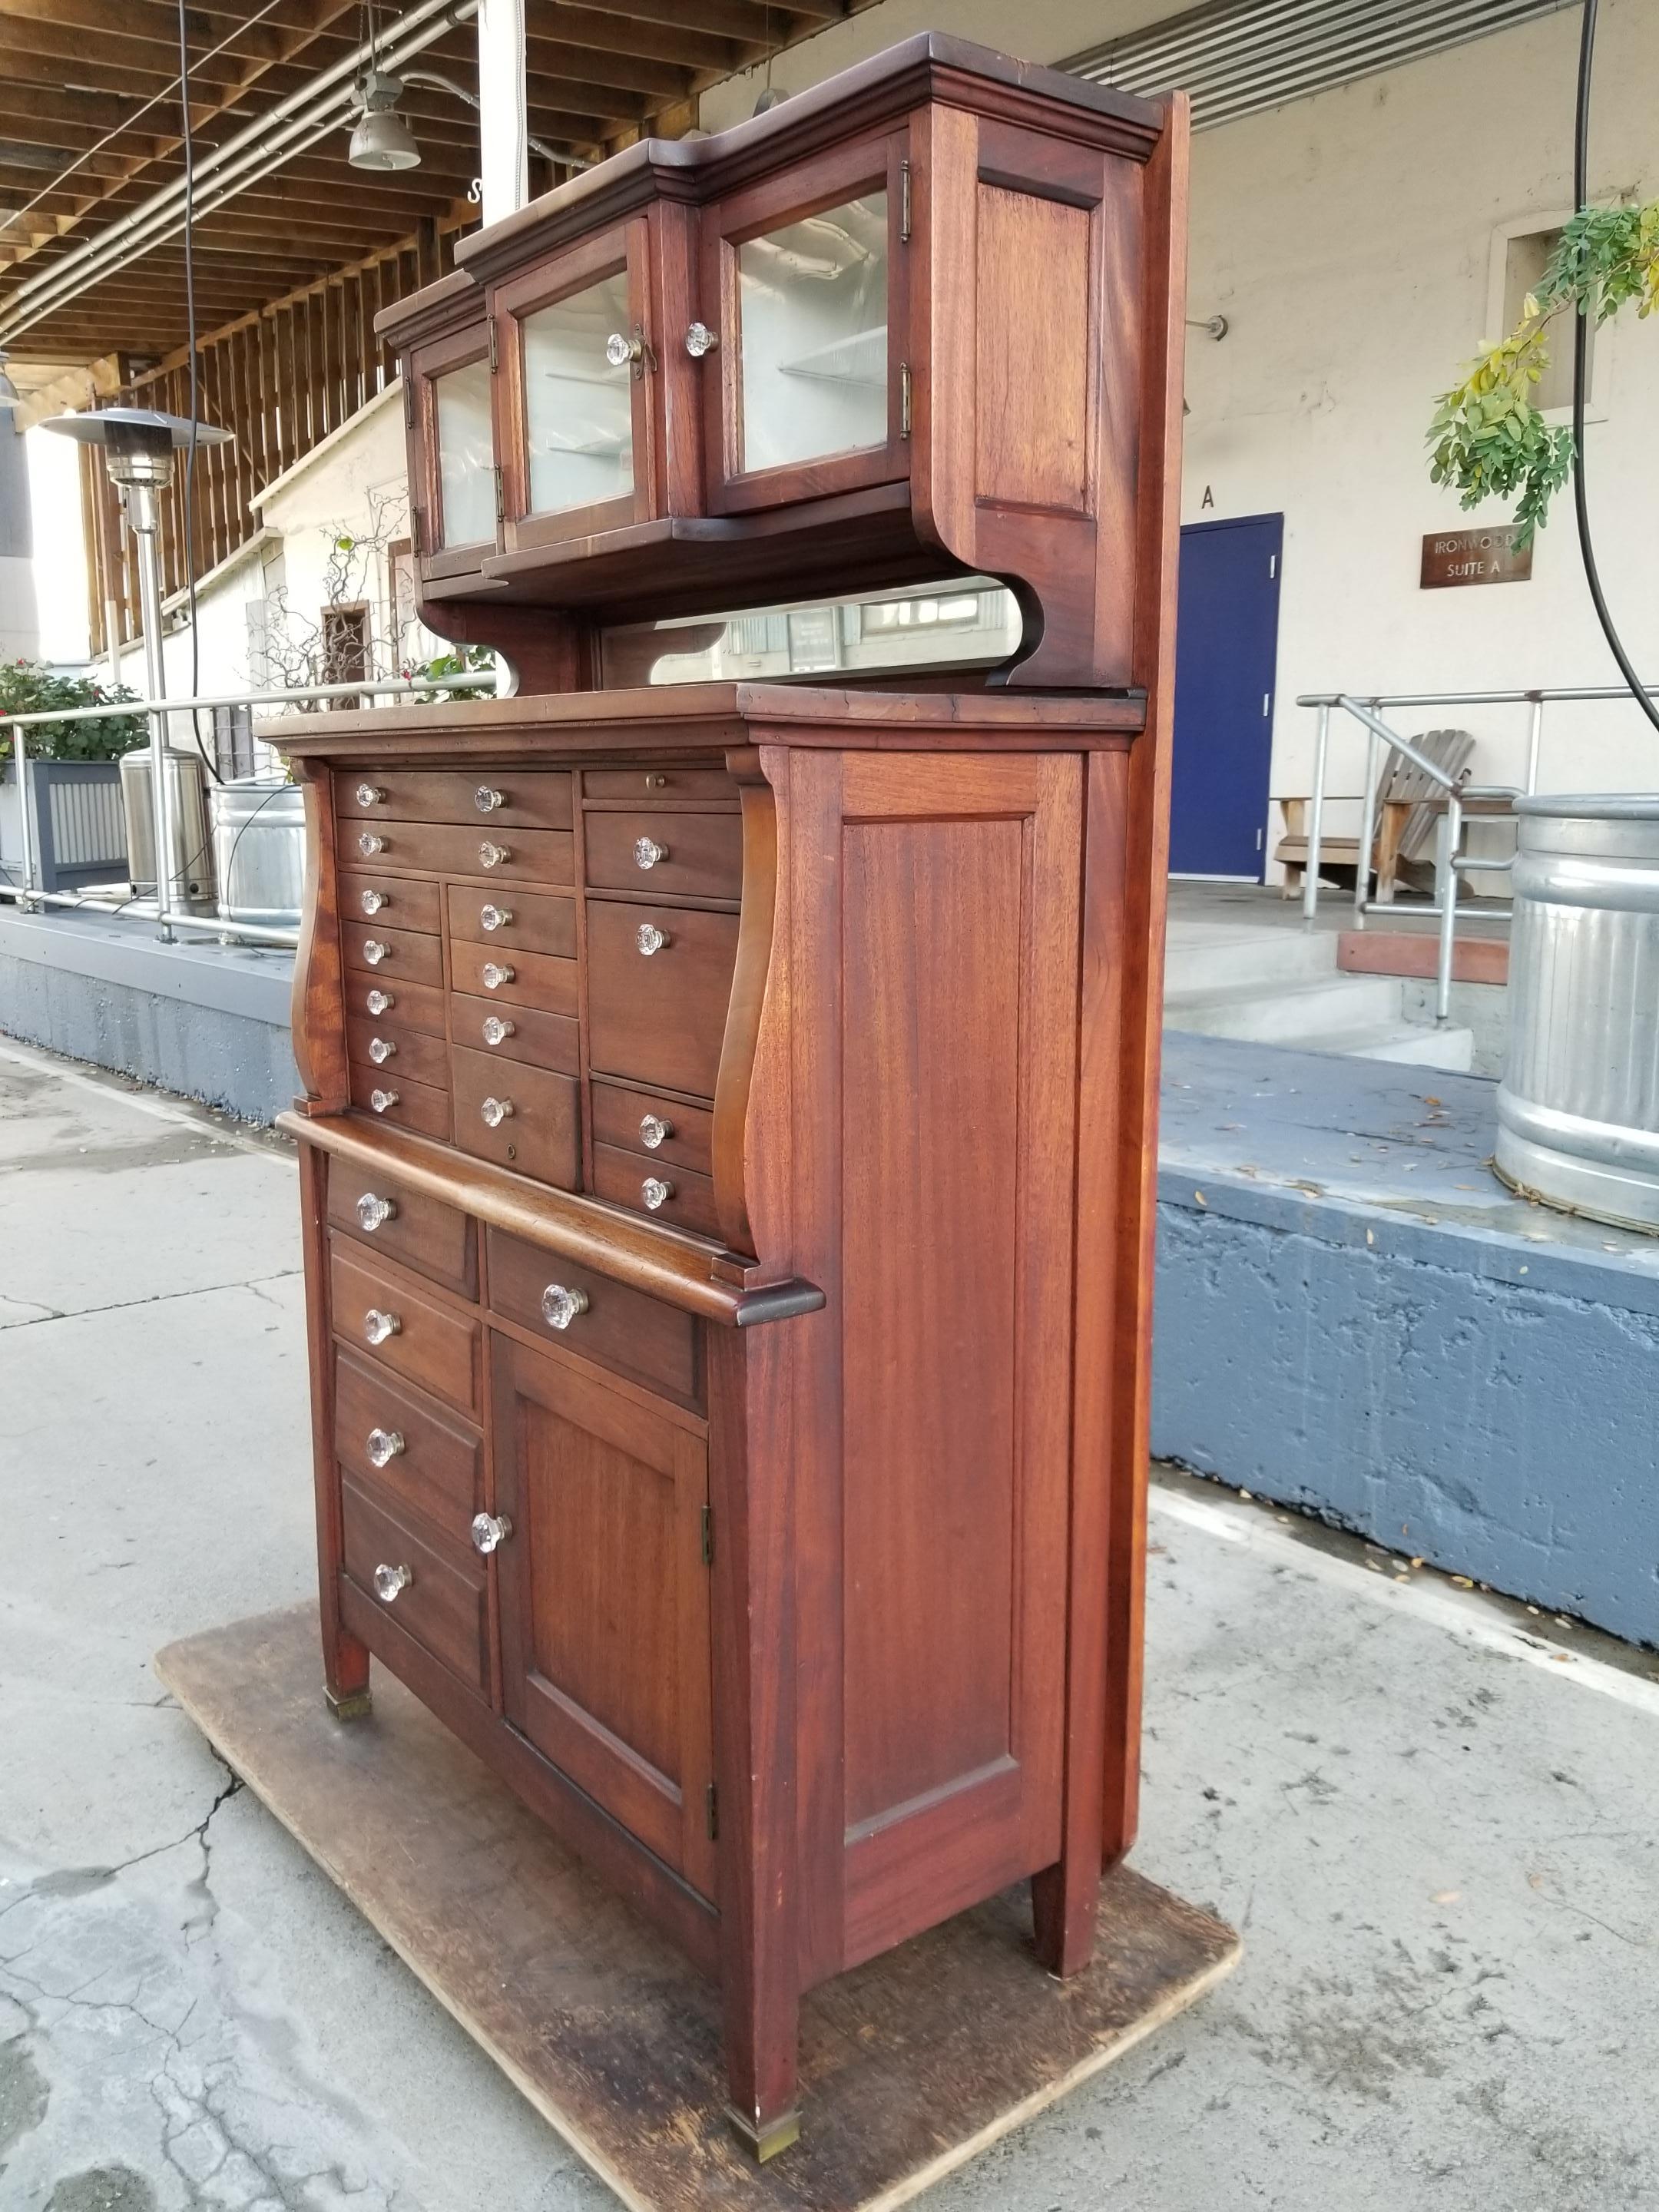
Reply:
x=374, y=997
x=426, y=1235
x=658, y=1018
x=442, y=1604
x=622, y=1178
x=529, y=798
x=521, y=979
x=646, y=786
x=400, y=901
x=392, y=1097
x=700, y=855
x=437, y=1470
x=623, y=1329
x=545, y=1039
x=620, y=1116
x=523, y=919
x=395, y=1053
x=392, y=954
x=540, y=1136
x=430, y=1345
x=542, y=856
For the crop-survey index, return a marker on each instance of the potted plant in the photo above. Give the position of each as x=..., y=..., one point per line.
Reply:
x=83, y=841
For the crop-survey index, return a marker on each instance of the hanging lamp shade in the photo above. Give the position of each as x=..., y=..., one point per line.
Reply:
x=381, y=139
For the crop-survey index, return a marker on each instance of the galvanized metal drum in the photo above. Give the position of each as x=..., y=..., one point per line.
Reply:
x=259, y=842
x=1578, y=1107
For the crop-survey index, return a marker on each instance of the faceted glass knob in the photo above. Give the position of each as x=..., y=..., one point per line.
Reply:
x=373, y=901
x=493, y=856
x=368, y=844
x=384, y=1446
x=495, y=1111
x=700, y=340
x=487, y=799
x=388, y=1581
x=655, y=1131
x=369, y=794
x=496, y=1030
x=489, y=1531
x=656, y=1193
x=378, y=1325
x=495, y=917
x=620, y=348
x=380, y=1050
x=650, y=938
x=494, y=974
x=379, y=1100
x=373, y=1210
x=655, y=781
x=647, y=852
x=374, y=951
x=380, y=1002
x=561, y=1305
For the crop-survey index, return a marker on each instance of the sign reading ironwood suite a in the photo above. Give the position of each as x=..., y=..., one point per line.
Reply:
x=1474, y=556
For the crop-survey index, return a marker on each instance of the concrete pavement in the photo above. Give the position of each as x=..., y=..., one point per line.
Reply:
x=1437, y=1837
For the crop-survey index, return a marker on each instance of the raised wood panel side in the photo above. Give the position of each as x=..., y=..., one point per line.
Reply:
x=1032, y=422
x=319, y=1000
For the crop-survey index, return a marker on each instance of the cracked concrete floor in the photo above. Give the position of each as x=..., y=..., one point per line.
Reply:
x=1439, y=1842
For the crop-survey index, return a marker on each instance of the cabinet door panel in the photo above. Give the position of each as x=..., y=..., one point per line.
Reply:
x=453, y=474
x=605, y=1598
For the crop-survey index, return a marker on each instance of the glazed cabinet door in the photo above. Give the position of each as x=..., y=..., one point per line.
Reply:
x=807, y=386
x=606, y=1661
x=453, y=478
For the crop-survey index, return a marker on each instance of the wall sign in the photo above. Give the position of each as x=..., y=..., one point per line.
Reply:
x=1474, y=556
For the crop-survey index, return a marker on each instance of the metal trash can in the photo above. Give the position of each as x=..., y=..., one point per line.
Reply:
x=1578, y=1107
x=192, y=839
x=259, y=847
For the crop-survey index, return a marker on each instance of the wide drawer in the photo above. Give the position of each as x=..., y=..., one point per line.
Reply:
x=434, y=1239
x=658, y=1017
x=426, y=1341
x=437, y=1596
x=393, y=955
x=515, y=1032
x=622, y=1329
x=405, y=1450
x=412, y=1006
x=646, y=785
x=683, y=855
x=656, y=1187
x=392, y=1097
x=523, y=919
x=526, y=799
x=493, y=850
x=525, y=979
x=670, y=1129
x=396, y=901
x=524, y=1118
x=396, y=1052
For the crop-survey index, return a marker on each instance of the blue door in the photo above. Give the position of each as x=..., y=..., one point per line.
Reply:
x=1226, y=651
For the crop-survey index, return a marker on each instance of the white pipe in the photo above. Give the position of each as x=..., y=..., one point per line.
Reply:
x=1316, y=821
x=503, y=121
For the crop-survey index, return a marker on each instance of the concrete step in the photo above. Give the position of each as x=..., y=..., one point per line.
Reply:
x=1205, y=956
x=1291, y=1011
x=1418, y=1042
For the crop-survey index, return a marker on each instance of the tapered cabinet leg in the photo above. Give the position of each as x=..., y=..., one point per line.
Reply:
x=345, y=1675
x=761, y=2034
x=1064, y=1908
x=345, y=1658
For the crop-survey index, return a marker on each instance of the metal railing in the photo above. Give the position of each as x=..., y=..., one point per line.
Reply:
x=163, y=909
x=1451, y=861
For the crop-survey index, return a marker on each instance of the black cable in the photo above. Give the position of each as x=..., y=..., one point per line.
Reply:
x=1581, y=336
x=211, y=766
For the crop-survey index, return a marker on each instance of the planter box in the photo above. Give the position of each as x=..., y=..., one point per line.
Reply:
x=79, y=829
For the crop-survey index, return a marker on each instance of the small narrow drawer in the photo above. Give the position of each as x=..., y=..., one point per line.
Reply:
x=389, y=1096
x=669, y=1129
x=399, y=901
x=525, y=920
x=494, y=851
x=395, y=1053
x=526, y=798
x=657, y=1187
x=399, y=954
x=405, y=1450
x=524, y=1118
x=586, y=1312
x=434, y=1239
x=374, y=996
x=425, y=1341
x=516, y=1032
x=435, y=1594
x=682, y=855
x=523, y=979
x=658, y=1016
x=649, y=785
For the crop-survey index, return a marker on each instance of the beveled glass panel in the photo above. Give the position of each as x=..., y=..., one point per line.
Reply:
x=467, y=455
x=812, y=325
x=579, y=407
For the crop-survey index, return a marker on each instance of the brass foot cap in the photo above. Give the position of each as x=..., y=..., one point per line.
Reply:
x=765, y=2141
x=352, y=1706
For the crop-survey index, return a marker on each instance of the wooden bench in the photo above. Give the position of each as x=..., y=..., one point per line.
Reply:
x=1411, y=802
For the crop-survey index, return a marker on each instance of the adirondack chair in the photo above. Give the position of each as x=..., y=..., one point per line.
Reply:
x=1410, y=805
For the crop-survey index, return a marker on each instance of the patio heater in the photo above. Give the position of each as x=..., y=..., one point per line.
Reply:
x=138, y=447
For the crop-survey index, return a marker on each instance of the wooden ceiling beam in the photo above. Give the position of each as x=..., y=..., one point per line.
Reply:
x=148, y=25
x=726, y=19
x=556, y=61
x=578, y=22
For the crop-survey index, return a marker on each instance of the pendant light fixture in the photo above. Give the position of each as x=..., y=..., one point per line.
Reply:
x=381, y=139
